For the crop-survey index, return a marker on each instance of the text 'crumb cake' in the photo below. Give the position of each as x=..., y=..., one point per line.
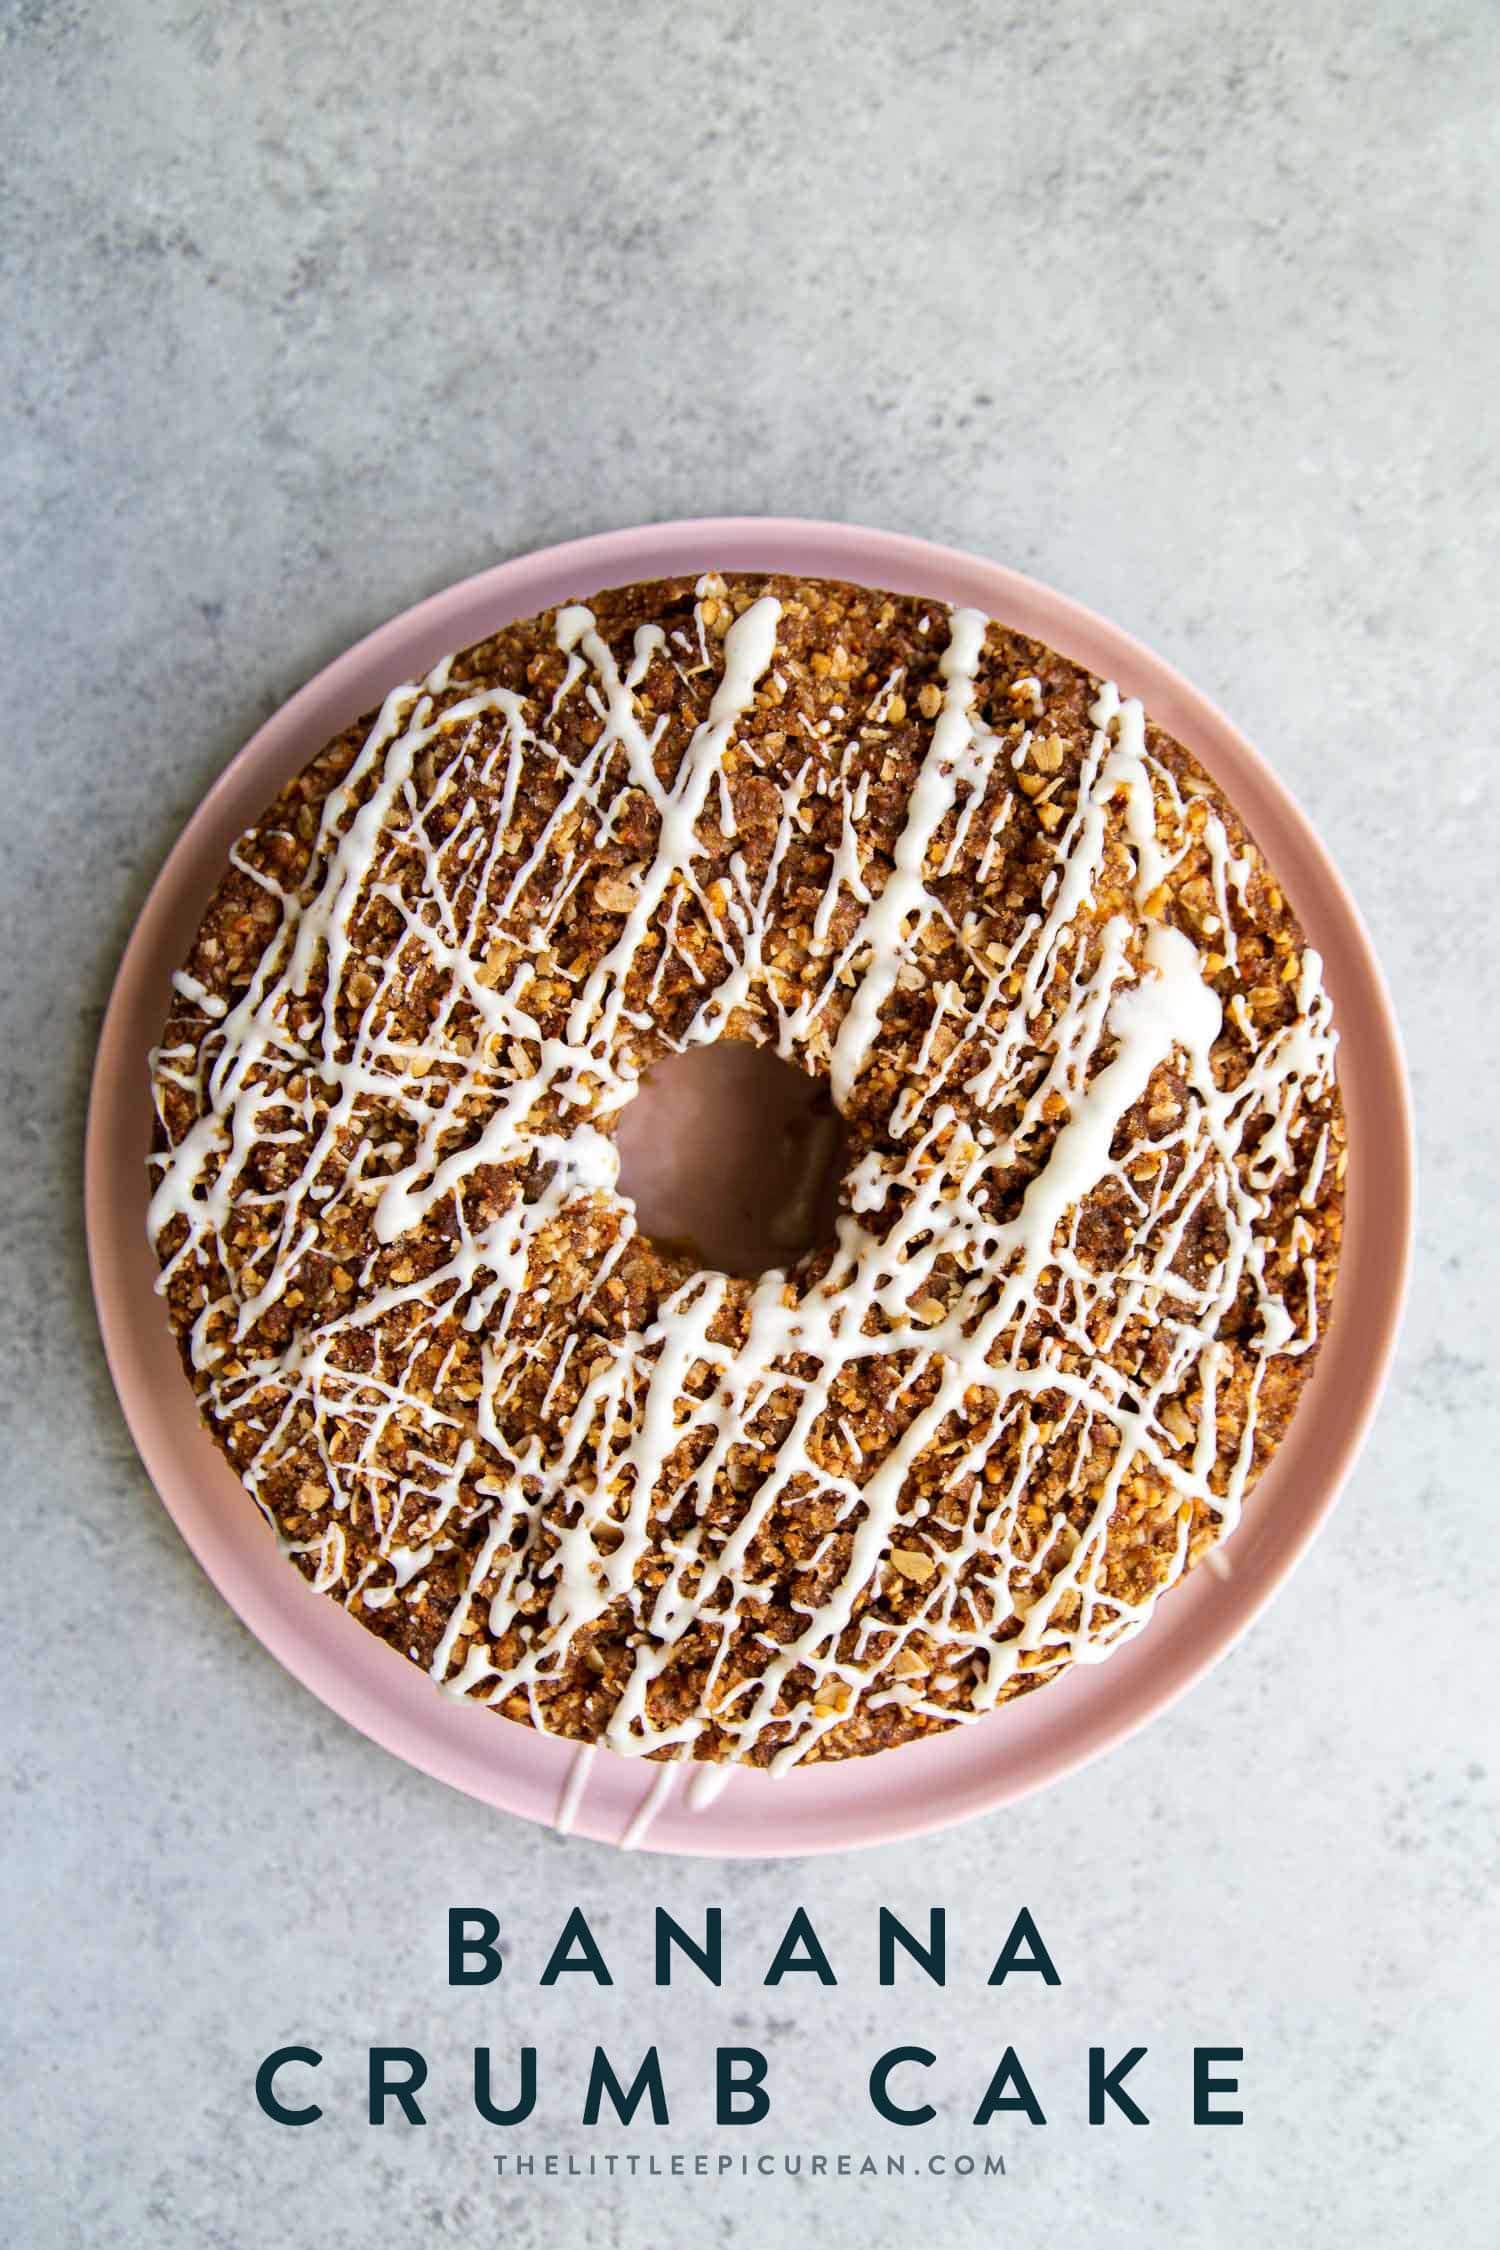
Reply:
x=1087, y=1229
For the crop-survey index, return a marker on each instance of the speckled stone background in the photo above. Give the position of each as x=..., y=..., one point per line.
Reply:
x=1189, y=309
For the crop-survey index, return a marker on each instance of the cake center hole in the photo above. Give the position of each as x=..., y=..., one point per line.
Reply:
x=731, y=1154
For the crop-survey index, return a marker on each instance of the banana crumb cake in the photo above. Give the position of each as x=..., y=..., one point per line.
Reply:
x=1087, y=1229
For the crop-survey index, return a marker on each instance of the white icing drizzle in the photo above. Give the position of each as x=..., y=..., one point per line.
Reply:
x=189, y=988
x=638, y=1827
x=950, y=762
x=707, y=1785
x=1073, y=1013
x=580, y=1766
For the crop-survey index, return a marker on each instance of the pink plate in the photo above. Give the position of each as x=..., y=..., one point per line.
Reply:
x=902, y=1792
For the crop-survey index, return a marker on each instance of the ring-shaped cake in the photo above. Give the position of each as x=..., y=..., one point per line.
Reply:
x=1087, y=1228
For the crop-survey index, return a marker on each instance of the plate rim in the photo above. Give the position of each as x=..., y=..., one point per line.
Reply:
x=1069, y=1722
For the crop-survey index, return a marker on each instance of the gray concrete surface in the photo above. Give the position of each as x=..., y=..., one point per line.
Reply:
x=1189, y=309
